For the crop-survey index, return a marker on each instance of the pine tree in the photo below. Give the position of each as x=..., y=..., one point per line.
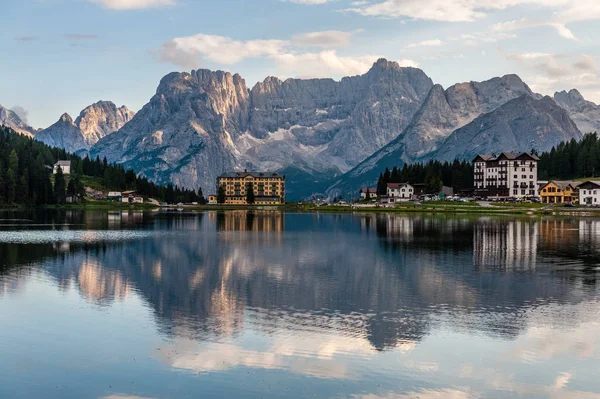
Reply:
x=11, y=186
x=201, y=198
x=221, y=195
x=250, y=198
x=59, y=186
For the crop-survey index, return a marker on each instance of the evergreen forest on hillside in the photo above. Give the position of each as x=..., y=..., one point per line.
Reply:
x=26, y=175
x=568, y=160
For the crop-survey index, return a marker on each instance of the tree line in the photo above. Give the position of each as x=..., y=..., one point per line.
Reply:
x=433, y=174
x=26, y=175
x=571, y=159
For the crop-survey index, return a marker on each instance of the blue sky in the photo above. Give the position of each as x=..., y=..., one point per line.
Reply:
x=62, y=55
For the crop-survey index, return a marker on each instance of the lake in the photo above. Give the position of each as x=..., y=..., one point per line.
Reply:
x=130, y=305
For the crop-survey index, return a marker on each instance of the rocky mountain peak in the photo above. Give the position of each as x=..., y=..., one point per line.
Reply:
x=10, y=119
x=383, y=63
x=569, y=100
x=93, y=123
x=66, y=119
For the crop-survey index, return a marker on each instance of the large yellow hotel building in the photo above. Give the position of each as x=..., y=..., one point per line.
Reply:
x=268, y=187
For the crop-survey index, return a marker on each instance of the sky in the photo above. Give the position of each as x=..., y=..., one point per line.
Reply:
x=63, y=55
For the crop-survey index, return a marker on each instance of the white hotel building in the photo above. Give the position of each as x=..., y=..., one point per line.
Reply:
x=509, y=174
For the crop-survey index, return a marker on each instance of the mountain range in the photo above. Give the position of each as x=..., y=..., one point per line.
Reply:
x=93, y=123
x=325, y=135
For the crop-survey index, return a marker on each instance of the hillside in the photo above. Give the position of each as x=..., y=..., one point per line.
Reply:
x=26, y=175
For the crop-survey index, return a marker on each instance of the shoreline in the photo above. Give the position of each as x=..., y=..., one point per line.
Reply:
x=443, y=208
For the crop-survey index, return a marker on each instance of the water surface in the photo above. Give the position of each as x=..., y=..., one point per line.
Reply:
x=126, y=305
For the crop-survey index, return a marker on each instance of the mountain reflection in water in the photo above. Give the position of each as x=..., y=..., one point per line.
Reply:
x=251, y=304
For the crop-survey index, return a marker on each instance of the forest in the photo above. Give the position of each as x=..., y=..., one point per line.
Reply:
x=434, y=174
x=571, y=160
x=26, y=176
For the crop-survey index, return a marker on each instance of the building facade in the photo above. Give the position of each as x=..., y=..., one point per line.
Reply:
x=509, y=174
x=400, y=191
x=559, y=192
x=268, y=188
x=589, y=193
x=371, y=191
x=65, y=166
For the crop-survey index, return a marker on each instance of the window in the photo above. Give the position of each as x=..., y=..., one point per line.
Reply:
x=515, y=192
x=516, y=177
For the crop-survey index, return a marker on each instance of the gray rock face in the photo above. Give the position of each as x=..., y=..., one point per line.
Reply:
x=441, y=113
x=11, y=119
x=201, y=124
x=93, y=123
x=585, y=114
x=519, y=125
x=186, y=133
x=63, y=134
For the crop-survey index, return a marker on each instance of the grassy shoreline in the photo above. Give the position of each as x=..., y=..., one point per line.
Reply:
x=409, y=208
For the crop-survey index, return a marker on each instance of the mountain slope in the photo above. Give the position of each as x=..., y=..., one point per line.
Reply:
x=585, y=114
x=11, y=119
x=201, y=124
x=441, y=113
x=519, y=125
x=93, y=123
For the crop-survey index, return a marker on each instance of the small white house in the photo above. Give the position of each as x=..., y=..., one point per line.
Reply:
x=64, y=165
x=400, y=191
x=372, y=193
x=115, y=196
x=589, y=193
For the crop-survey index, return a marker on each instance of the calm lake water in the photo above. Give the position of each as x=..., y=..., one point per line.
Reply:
x=271, y=305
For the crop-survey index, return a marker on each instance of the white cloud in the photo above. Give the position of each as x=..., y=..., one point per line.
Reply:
x=308, y=2
x=323, y=64
x=561, y=28
x=426, y=43
x=133, y=4
x=189, y=53
x=408, y=63
x=330, y=38
x=564, y=11
x=425, y=394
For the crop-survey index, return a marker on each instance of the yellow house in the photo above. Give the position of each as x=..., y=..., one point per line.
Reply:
x=559, y=192
x=268, y=187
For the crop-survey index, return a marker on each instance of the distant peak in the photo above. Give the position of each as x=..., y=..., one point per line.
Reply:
x=66, y=118
x=385, y=64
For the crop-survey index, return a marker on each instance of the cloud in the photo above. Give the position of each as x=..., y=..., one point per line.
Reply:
x=564, y=11
x=307, y=2
x=27, y=38
x=189, y=52
x=425, y=394
x=558, y=67
x=122, y=396
x=523, y=23
x=323, y=64
x=426, y=43
x=477, y=38
x=80, y=36
x=330, y=38
x=408, y=63
x=22, y=113
x=133, y=4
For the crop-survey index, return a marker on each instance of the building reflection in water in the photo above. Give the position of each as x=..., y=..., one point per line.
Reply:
x=508, y=244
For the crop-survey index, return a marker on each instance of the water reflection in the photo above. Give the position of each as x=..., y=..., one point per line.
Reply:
x=453, y=307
